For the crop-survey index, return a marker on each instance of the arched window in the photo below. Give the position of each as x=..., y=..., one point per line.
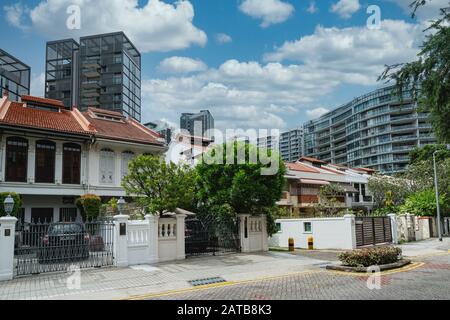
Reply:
x=45, y=161
x=16, y=159
x=107, y=166
x=71, y=163
x=127, y=156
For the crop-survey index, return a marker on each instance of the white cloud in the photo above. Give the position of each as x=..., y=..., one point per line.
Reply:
x=428, y=12
x=312, y=7
x=346, y=8
x=155, y=26
x=37, y=84
x=223, y=38
x=269, y=11
x=354, y=55
x=316, y=112
x=181, y=65
x=15, y=14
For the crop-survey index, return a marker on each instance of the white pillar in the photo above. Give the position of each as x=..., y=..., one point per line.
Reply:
x=244, y=232
x=120, y=241
x=265, y=237
x=7, y=238
x=58, y=163
x=181, y=254
x=394, y=227
x=31, y=161
x=350, y=231
x=153, y=221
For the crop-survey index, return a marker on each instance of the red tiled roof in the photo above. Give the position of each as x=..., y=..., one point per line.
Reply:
x=313, y=160
x=365, y=169
x=44, y=101
x=122, y=130
x=106, y=112
x=42, y=119
x=301, y=167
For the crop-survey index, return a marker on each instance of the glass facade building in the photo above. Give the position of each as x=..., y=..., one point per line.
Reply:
x=291, y=145
x=376, y=130
x=105, y=70
x=14, y=76
x=192, y=122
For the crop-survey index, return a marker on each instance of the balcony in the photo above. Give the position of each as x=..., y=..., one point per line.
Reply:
x=403, y=148
x=402, y=138
x=401, y=158
x=408, y=127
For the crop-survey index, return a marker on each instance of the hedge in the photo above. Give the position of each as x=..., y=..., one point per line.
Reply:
x=370, y=257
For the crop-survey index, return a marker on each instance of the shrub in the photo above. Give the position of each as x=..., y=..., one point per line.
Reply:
x=423, y=203
x=17, y=203
x=370, y=257
x=89, y=205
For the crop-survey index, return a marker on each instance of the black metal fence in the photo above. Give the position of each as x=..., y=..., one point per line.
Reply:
x=56, y=247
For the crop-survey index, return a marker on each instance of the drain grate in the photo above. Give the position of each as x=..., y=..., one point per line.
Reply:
x=203, y=282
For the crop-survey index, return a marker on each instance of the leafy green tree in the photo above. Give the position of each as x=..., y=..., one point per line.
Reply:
x=391, y=191
x=428, y=77
x=158, y=186
x=423, y=203
x=17, y=203
x=329, y=204
x=231, y=178
x=426, y=153
x=89, y=206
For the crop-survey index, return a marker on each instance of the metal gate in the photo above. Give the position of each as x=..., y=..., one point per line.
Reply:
x=207, y=235
x=59, y=247
x=372, y=231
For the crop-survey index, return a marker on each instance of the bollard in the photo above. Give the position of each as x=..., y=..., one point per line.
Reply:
x=291, y=244
x=310, y=243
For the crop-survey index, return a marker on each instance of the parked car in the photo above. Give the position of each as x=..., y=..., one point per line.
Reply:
x=197, y=237
x=64, y=241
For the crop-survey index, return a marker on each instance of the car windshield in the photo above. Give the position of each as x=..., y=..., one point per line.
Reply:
x=65, y=228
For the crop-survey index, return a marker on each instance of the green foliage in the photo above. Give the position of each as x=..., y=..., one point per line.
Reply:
x=328, y=204
x=271, y=217
x=425, y=153
x=370, y=257
x=388, y=192
x=158, y=186
x=89, y=206
x=428, y=77
x=17, y=203
x=423, y=203
x=239, y=184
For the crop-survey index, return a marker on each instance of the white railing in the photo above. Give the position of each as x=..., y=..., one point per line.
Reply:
x=138, y=233
x=167, y=229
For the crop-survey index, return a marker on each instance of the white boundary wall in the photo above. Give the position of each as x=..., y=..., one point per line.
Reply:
x=327, y=233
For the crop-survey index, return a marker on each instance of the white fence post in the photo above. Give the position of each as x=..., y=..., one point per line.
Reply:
x=120, y=241
x=244, y=232
x=181, y=254
x=265, y=236
x=351, y=229
x=153, y=221
x=7, y=238
x=394, y=227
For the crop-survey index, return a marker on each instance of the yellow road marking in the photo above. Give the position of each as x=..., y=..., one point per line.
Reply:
x=406, y=268
x=216, y=285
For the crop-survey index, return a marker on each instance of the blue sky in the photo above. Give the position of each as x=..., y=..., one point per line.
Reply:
x=279, y=62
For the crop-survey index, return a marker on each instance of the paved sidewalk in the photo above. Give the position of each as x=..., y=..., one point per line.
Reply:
x=425, y=247
x=116, y=283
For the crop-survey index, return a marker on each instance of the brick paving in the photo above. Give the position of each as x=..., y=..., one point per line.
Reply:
x=430, y=281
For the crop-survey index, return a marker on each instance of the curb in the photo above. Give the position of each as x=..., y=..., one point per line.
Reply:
x=384, y=267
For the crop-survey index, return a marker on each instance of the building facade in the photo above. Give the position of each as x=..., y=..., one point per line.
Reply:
x=269, y=142
x=307, y=175
x=376, y=130
x=197, y=123
x=291, y=145
x=101, y=71
x=14, y=76
x=50, y=155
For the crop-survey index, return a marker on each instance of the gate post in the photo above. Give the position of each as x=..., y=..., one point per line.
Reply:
x=244, y=232
x=351, y=230
x=181, y=250
x=7, y=239
x=394, y=227
x=153, y=222
x=120, y=241
x=265, y=236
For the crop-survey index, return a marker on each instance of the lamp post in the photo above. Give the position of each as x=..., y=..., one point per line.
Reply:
x=437, y=194
x=8, y=204
x=121, y=205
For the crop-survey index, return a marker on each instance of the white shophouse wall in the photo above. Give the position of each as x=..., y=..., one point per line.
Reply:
x=328, y=233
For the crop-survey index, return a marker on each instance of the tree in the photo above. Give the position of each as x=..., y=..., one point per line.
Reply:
x=389, y=191
x=231, y=178
x=328, y=204
x=426, y=153
x=423, y=203
x=159, y=187
x=89, y=206
x=428, y=77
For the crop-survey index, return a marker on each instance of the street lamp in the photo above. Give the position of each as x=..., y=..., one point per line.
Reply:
x=437, y=194
x=8, y=205
x=121, y=205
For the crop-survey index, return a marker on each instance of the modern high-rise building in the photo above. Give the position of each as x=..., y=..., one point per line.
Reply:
x=102, y=71
x=163, y=128
x=197, y=123
x=269, y=142
x=291, y=145
x=376, y=130
x=14, y=76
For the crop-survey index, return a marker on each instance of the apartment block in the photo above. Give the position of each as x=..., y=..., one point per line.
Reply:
x=376, y=130
x=14, y=76
x=197, y=123
x=269, y=142
x=291, y=145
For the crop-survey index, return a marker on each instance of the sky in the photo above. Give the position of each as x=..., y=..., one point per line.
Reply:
x=255, y=64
